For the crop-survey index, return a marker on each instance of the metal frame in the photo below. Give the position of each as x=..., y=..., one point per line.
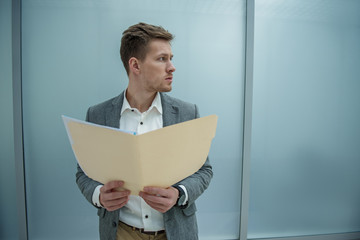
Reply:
x=249, y=62
x=18, y=119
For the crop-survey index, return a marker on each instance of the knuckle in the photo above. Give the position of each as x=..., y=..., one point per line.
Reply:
x=122, y=194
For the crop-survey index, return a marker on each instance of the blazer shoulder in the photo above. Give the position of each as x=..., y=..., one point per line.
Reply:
x=103, y=105
x=177, y=102
x=97, y=113
x=184, y=110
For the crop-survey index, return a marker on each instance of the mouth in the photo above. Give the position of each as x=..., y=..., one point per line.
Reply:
x=169, y=78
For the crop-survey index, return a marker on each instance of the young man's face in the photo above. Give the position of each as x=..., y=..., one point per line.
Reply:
x=156, y=70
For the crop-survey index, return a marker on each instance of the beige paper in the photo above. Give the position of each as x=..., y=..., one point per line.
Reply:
x=158, y=158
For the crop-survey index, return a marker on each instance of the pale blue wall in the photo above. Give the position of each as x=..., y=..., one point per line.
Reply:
x=8, y=211
x=306, y=133
x=71, y=61
x=305, y=161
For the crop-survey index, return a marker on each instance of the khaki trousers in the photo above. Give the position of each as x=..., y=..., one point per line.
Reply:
x=125, y=232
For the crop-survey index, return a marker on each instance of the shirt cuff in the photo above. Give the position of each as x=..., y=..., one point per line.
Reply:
x=186, y=195
x=96, y=196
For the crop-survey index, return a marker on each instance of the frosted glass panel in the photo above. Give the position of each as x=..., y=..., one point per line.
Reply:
x=306, y=118
x=71, y=61
x=8, y=212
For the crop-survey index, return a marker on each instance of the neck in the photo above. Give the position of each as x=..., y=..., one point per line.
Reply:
x=139, y=100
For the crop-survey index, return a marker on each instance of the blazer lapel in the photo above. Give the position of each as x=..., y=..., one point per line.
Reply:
x=170, y=111
x=113, y=112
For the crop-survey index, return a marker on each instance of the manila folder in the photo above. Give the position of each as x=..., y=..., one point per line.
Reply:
x=158, y=158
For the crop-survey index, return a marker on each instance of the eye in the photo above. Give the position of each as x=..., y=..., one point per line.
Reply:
x=162, y=59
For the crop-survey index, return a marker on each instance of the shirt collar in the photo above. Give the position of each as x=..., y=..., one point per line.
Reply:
x=155, y=104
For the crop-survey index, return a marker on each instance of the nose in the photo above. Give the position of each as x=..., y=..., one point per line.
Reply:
x=171, y=67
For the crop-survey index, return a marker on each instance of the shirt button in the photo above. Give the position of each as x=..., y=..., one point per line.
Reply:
x=141, y=123
x=114, y=224
x=146, y=216
x=132, y=110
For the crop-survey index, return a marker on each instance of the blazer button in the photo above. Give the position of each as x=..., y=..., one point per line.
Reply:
x=114, y=224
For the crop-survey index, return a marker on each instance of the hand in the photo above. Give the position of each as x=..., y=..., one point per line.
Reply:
x=161, y=199
x=110, y=196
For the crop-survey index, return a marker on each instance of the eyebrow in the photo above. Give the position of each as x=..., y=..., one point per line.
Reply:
x=165, y=54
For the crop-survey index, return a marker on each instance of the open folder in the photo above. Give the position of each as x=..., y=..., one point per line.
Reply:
x=158, y=158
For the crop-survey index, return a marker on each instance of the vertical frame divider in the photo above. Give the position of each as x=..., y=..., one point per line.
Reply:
x=249, y=66
x=18, y=119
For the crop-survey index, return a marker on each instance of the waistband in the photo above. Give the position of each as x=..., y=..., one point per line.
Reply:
x=141, y=230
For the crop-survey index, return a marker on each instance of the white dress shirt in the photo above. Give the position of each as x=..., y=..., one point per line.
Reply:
x=137, y=212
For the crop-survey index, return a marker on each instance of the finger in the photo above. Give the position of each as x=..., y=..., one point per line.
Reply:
x=108, y=187
x=112, y=201
x=109, y=204
x=156, y=191
x=150, y=197
x=157, y=202
x=109, y=199
x=114, y=195
x=157, y=206
x=170, y=192
x=116, y=205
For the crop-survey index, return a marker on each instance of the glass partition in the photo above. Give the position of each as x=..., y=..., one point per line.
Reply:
x=71, y=61
x=8, y=216
x=306, y=119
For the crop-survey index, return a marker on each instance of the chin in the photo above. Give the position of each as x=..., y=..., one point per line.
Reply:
x=168, y=89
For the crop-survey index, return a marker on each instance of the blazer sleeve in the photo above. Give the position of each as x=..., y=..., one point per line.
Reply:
x=198, y=182
x=86, y=184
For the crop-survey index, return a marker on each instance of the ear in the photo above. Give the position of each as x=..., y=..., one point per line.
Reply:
x=134, y=65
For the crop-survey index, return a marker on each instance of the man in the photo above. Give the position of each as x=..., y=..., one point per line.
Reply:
x=157, y=213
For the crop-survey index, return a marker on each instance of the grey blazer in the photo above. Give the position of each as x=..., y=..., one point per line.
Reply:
x=179, y=223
